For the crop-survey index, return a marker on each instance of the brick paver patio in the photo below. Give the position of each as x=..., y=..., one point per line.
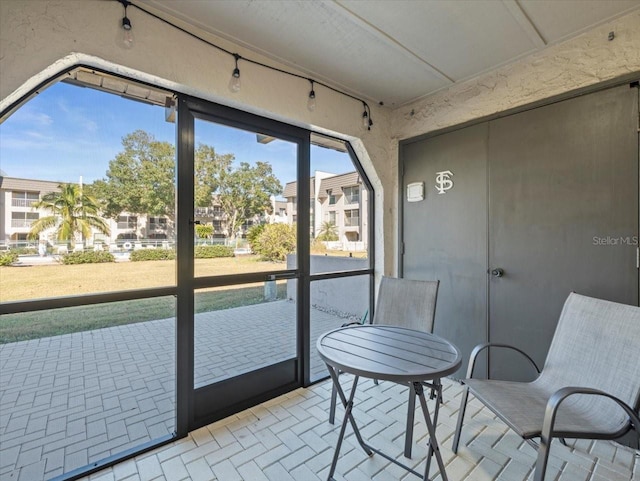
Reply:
x=289, y=439
x=70, y=400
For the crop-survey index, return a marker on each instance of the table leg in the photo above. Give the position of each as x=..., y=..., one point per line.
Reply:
x=436, y=389
x=348, y=417
x=434, y=449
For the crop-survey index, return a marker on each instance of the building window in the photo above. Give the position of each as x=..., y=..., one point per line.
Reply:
x=157, y=223
x=127, y=222
x=352, y=218
x=24, y=199
x=332, y=198
x=23, y=219
x=294, y=218
x=351, y=195
x=331, y=217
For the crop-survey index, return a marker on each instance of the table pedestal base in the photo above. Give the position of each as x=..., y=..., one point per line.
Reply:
x=418, y=388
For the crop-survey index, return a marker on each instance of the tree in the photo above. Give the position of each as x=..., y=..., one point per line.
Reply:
x=245, y=192
x=73, y=211
x=276, y=241
x=140, y=180
x=208, y=169
x=328, y=232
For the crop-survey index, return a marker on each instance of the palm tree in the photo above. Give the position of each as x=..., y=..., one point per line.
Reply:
x=328, y=232
x=71, y=211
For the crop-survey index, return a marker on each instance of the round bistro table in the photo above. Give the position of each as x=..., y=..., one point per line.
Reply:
x=390, y=353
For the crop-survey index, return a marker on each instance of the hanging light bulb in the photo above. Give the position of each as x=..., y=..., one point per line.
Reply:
x=234, y=82
x=311, y=101
x=366, y=117
x=125, y=34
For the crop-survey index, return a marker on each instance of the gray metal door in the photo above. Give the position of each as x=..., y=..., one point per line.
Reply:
x=563, y=216
x=445, y=235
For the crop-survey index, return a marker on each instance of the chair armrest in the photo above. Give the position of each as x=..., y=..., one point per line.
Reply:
x=563, y=393
x=551, y=410
x=481, y=347
x=354, y=323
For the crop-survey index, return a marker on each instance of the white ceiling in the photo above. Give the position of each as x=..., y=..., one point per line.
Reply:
x=394, y=51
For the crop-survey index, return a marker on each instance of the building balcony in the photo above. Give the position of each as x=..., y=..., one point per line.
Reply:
x=22, y=223
x=352, y=222
x=28, y=203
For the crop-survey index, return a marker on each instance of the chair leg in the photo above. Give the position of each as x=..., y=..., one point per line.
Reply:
x=375, y=381
x=463, y=407
x=332, y=409
x=411, y=411
x=543, y=458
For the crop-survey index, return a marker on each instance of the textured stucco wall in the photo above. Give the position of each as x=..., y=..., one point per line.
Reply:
x=580, y=62
x=39, y=38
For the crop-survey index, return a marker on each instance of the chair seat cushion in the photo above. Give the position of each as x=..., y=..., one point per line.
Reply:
x=522, y=406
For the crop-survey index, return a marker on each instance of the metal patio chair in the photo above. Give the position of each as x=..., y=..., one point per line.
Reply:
x=405, y=303
x=589, y=387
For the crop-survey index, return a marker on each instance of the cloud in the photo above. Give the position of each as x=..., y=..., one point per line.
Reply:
x=29, y=115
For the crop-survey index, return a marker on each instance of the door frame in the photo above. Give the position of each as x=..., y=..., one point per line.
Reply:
x=200, y=406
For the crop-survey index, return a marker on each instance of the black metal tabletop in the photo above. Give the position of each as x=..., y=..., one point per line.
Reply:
x=389, y=353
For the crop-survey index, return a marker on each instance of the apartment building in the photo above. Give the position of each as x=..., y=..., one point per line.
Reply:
x=340, y=199
x=17, y=215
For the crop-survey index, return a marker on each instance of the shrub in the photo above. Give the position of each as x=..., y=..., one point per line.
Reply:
x=204, y=231
x=253, y=234
x=87, y=257
x=276, y=241
x=318, y=246
x=153, y=255
x=7, y=258
x=25, y=251
x=209, y=252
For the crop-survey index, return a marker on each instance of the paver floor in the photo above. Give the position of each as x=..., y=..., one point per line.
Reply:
x=290, y=439
x=70, y=400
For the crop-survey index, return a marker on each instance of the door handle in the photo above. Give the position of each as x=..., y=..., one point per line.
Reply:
x=497, y=272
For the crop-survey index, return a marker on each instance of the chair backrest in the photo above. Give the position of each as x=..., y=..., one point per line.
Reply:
x=597, y=345
x=406, y=303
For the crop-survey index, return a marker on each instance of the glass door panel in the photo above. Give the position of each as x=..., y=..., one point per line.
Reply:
x=242, y=328
x=245, y=312
x=244, y=205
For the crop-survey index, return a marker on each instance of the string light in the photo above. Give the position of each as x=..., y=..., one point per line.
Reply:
x=311, y=101
x=125, y=34
x=367, y=123
x=234, y=83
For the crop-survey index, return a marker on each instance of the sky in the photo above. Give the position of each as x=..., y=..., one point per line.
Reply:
x=67, y=132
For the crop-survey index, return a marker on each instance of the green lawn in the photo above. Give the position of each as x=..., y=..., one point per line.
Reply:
x=43, y=281
x=35, y=325
x=55, y=280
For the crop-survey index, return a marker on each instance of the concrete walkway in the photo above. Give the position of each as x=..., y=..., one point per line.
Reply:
x=70, y=400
